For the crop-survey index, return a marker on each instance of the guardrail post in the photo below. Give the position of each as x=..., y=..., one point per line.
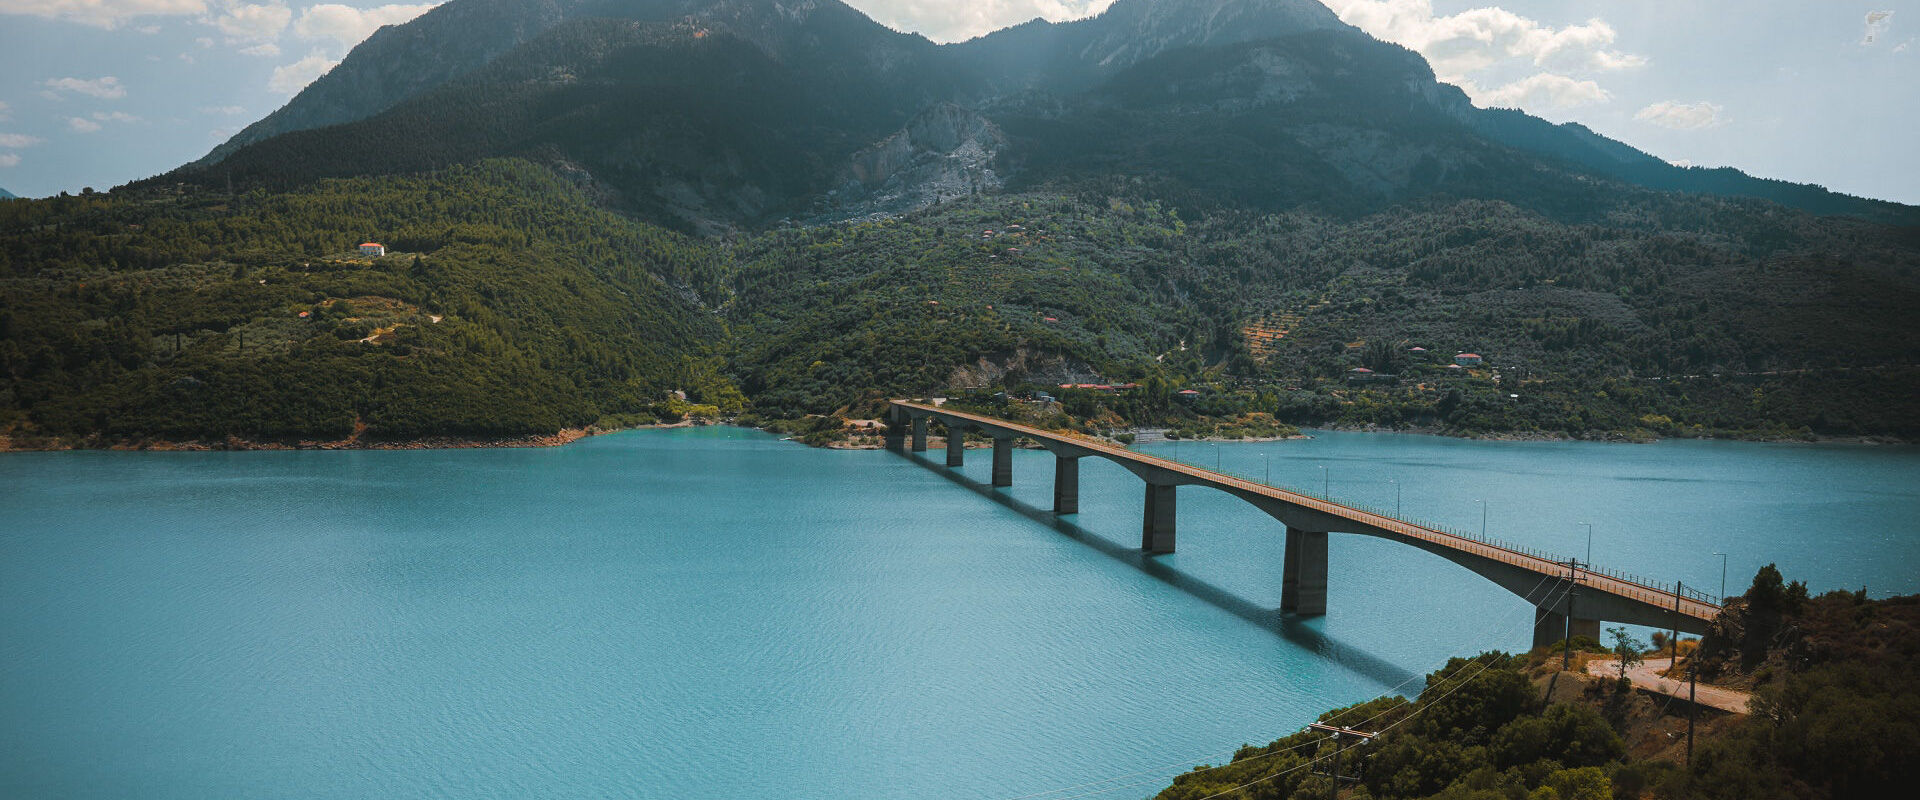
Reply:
x=1303, y=576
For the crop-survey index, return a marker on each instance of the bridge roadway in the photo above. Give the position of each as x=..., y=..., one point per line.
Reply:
x=1562, y=607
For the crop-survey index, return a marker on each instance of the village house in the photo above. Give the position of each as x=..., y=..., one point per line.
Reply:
x=1362, y=375
x=1467, y=359
x=374, y=249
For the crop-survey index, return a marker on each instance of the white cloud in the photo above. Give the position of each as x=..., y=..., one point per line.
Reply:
x=18, y=140
x=227, y=110
x=114, y=116
x=293, y=77
x=1460, y=44
x=268, y=49
x=958, y=20
x=3, y=111
x=1877, y=24
x=1683, y=116
x=9, y=159
x=1544, y=90
x=107, y=88
x=101, y=13
x=82, y=125
x=253, y=23
x=350, y=26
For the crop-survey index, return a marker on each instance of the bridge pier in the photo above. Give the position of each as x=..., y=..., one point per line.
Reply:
x=1551, y=626
x=919, y=434
x=1303, y=576
x=1156, y=525
x=1066, y=485
x=896, y=435
x=1003, y=461
x=956, y=445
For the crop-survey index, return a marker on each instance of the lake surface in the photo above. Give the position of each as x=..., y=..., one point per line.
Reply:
x=713, y=613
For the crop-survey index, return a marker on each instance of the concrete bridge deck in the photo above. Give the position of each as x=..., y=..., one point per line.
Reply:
x=1586, y=598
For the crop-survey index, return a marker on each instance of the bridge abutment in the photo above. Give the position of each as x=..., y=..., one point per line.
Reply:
x=1003, y=461
x=1156, y=524
x=919, y=434
x=1066, y=485
x=1551, y=626
x=1303, y=577
x=956, y=445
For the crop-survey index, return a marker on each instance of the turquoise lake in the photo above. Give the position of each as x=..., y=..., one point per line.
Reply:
x=714, y=613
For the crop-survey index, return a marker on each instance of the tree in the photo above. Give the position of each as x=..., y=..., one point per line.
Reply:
x=1627, y=649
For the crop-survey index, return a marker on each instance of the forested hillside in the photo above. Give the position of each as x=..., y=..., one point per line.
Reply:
x=507, y=306
x=511, y=305
x=1833, y=716
x=1677, y=316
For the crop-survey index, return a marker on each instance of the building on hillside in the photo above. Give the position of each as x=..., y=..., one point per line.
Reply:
x=1362, y=375
x=374, y=249
x=1418, y=352
x=1468, y=359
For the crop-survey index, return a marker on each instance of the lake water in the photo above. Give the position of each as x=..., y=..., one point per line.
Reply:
x=713, y=613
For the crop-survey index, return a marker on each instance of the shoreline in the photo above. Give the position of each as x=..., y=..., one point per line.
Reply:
x=1618, y=437
x=561, y=438
x=566, y=436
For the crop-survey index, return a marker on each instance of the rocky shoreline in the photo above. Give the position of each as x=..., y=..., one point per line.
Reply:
x=565, y=436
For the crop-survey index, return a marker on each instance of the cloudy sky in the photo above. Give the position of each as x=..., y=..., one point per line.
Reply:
x=100, y=92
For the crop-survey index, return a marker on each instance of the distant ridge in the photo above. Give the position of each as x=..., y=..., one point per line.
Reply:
x=6, y=195
x=718, y=115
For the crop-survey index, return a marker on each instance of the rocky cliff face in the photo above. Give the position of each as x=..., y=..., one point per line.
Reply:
x=946, y=151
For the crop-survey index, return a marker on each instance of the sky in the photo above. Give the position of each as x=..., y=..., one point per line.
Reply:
x=95, y=93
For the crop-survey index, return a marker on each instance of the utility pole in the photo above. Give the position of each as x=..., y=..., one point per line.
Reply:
x=1693, y=706
x=1679, y=588
x=1340, y=736
x=1573, y=581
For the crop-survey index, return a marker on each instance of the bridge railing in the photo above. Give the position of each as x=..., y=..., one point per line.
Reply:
x=1657, y=587
x=1640, y=587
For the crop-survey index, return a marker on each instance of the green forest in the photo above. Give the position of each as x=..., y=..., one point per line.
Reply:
x=506, y=306
x=510, y=303
x=1835, y=714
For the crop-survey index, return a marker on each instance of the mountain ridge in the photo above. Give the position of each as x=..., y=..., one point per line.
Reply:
x=867, y=82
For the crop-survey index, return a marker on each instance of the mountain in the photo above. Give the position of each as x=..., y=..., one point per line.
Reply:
x=6, y=195
x=713, y=115
x=1242, y=196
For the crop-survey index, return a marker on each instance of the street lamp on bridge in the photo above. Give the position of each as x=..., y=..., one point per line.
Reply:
x=1325, y=482
x=1396, y=497
x=1483, y=519
x=1723, y=576
x=1589, y=541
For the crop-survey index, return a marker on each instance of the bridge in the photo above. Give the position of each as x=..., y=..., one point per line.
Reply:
x=1591, y=595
